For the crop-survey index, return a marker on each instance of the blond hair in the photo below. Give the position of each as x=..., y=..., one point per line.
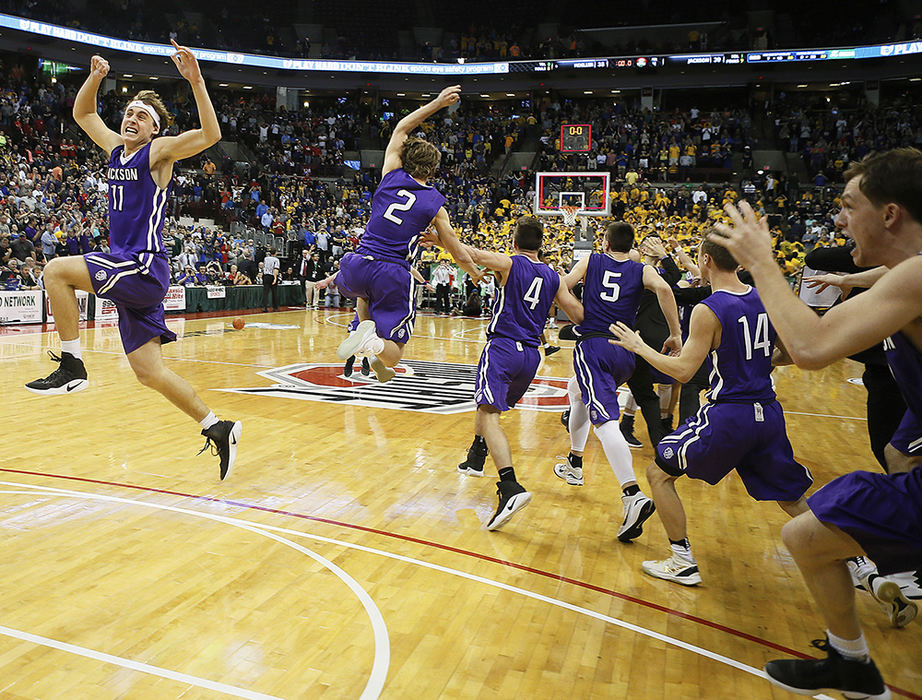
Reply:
x=152, y=99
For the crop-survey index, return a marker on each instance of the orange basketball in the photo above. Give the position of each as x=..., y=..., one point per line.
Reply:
x=239, y=323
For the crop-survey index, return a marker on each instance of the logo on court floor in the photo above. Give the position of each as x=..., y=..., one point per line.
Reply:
x=428, y=387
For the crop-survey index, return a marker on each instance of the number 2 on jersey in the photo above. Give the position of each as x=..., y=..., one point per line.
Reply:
x=533, y=295
x=400, y=206
x=760, y=341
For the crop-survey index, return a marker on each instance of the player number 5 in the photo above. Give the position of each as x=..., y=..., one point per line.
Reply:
x=608, y=281
x=400, y=206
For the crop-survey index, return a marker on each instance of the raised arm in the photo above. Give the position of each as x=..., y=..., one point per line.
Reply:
x=405, y=126
x=666, y=299
x=703, y=328
x=85, y=113
x=169, y=149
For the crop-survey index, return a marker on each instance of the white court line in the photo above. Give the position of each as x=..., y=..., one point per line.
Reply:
x=128, y=663
x=378, y=675
x=435, y=567
x=825, y=415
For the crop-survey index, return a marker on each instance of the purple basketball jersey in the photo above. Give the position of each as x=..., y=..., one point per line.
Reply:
x=136, y=207
x=401, y=209
x=740, y=368
x=611, y=293
x=521, y=305
x=905, y=362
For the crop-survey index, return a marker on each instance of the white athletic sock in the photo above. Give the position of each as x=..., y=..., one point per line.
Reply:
x=852, y=649
x=208, y=420
x=683, y=551
x=73, y=347
x=579, y=418
x=630, y=406
x=616, y=451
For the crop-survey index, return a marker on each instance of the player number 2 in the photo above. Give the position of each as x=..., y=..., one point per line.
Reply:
x=609, y=284
x=400, y=206
x=761, y=340
x=118, y=197
x=533, y=295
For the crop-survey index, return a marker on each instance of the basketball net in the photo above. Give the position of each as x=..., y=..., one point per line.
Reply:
x=569, y=214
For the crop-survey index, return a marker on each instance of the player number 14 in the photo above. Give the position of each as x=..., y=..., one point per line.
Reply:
x=760, y=341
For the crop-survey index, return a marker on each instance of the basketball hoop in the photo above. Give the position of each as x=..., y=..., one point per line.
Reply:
x=569, y=214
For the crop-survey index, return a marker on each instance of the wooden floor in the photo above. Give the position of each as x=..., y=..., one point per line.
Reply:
x=345, y=557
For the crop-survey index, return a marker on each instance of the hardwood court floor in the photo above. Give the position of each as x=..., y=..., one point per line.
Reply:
x=345, y=557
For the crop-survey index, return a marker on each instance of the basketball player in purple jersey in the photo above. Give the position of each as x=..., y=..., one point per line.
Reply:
x=378, y=273
x=612, y=287
x=526, y=290
x=742, y=426
x=861, y=513
x=136, y=274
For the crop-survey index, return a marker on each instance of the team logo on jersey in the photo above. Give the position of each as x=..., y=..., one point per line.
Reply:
x=100, y=275
x=668, y=453
x=428, y=387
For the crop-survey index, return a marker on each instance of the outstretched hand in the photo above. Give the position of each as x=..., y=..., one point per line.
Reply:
x=747, y=238
x=449, y=96
x=626, y=338
x=823, y=282
x=186, y=63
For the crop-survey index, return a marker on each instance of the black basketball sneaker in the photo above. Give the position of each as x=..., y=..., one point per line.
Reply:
x=223, y=438
x=68, y=378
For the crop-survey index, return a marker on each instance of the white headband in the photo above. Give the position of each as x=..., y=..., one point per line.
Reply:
x=137, y=104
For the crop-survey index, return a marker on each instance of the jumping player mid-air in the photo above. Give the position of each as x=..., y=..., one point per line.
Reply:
x=860, y=513
x=741, y=427
x=526, y=290
x=135, y=275
x=378, y=273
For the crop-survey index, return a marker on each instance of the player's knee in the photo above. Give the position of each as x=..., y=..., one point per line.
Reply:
x=897, y=462
x=656, y=475
x=54, y=271
x=795, y=534
x=151, y=377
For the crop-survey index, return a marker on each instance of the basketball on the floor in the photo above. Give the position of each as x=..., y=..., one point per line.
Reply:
x=239, y=323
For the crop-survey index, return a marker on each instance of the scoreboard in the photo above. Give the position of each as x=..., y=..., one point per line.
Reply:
x=575, y=138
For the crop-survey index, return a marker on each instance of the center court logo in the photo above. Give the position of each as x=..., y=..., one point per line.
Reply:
x=428, y=387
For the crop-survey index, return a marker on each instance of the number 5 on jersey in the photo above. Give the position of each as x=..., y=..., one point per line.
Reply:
x=400, y=206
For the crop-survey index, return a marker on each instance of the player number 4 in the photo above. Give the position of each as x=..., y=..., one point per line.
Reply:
x=533, y=295
x=400, y=206
x=760, y=341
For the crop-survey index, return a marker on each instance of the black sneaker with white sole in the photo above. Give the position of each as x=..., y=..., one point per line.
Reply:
x=68, y=378
x=565, y=419
x=366, y=368
x=512, y=498
x=854, y=679
x=223, y=438
x=637, y=509
x=347, y=369
x=473, y=464
x=551, y=349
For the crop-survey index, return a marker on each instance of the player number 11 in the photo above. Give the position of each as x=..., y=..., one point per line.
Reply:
x=118, y=197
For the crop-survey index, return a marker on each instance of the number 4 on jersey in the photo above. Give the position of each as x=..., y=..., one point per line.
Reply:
x=533, y=295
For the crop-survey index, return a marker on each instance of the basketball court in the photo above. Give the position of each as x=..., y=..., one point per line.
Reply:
x=345, y=557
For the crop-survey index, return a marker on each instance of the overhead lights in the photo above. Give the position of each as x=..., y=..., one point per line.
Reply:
x=510, y=94
x=128, y=75
x=247, y=87
x=587, y=92
x=401, y=94
x=802, y=85
x=222, y=84
x=484, y=95
x=154, y=77
x=615, y=92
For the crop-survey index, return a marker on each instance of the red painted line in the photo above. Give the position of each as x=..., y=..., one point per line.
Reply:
x=455, y=550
